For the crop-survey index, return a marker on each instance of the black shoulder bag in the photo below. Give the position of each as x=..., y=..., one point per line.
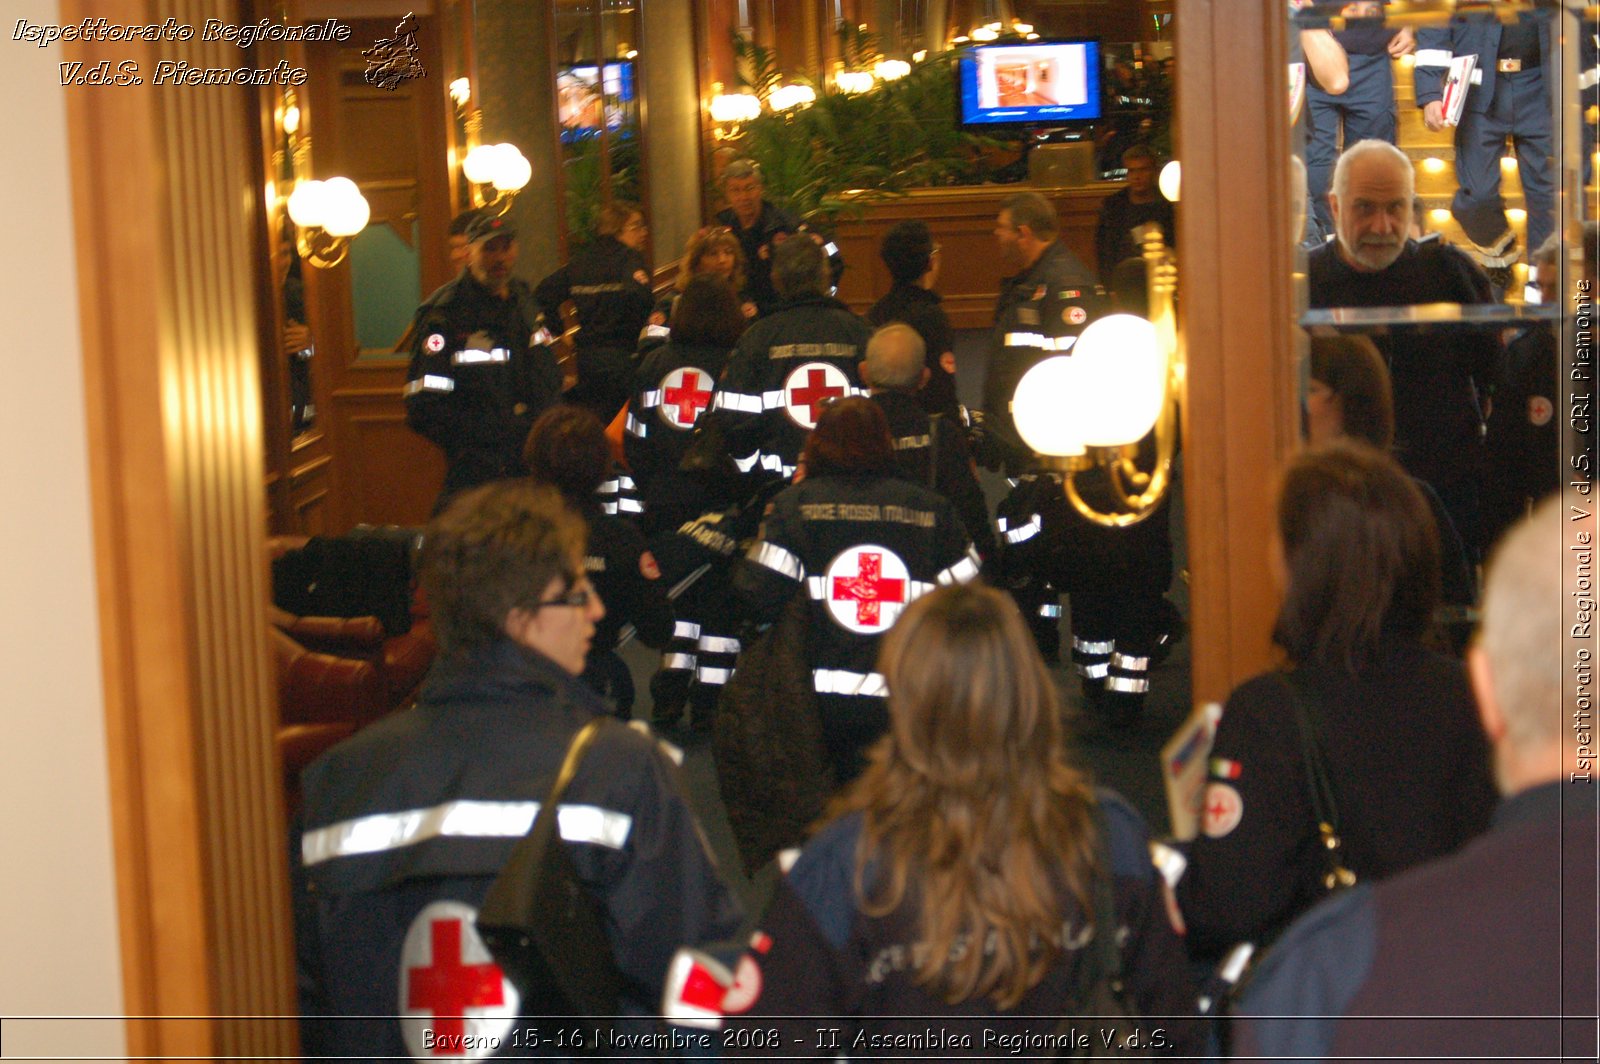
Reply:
x=1102, y=997
x=1336, y=875
x=544, y=928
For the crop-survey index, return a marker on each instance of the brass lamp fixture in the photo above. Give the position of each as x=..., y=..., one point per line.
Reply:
x=496, y=172
x=326, y=214
x=1091, y=408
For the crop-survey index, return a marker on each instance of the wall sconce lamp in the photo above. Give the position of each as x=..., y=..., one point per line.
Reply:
x=730, y=110
x=1089, y=410
x=854, y=81
x=788, y=97
x=497, y=172
x=326, y=215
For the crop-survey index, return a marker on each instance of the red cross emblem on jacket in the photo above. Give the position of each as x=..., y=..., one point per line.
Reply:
x=453, y=997
x=685, y=393
x=861, y=582
x=809, y=388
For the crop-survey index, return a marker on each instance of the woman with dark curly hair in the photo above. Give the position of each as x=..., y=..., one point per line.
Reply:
x=1391, y=721
x=964, y=882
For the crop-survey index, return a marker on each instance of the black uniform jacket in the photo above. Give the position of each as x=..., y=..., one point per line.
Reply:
x=424, y=807
x=614, y=562
x=1118, y=214
x=861, y=548
x=1524, y=431
x=672, y=388
x=1474, y=957
x=477, y=381
x=1408, y=765
x=819, y=955
x=785, y=367
x=919, y=308
x=1040, y=313
x=609, y=284
x=756, y=242
x=932, y=451
x=1439, y=375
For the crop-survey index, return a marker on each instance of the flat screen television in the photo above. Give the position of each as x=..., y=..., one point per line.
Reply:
x=587, y=94
x=1034, y=83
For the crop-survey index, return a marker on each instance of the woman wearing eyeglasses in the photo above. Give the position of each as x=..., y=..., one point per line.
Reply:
x=406, y=824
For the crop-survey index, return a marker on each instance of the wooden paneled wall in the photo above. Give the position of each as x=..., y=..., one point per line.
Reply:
x=962, y=222
x=1236, y=263
x=164, y=203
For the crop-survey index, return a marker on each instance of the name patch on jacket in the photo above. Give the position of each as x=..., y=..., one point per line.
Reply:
x=865, y=511
x=812, y=351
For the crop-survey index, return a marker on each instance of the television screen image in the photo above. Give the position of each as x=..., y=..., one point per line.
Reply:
x=1039, y=83
x=582, y=98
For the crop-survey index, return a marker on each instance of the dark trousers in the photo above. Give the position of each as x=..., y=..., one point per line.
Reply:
x=1365, y=111
x=1520, y=110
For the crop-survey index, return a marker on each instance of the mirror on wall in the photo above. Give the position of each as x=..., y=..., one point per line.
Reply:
x=598, y=89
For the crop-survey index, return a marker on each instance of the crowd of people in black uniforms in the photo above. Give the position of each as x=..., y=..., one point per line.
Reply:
x=781, y=450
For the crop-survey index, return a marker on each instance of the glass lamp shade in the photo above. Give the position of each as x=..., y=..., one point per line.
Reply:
x=1040, y=407
x=514, y=171
x=786, y=97
x=1171, y=180
x=479, y=165
x=306, y=204
x=735, y=107
x=345, y=209
x=1119, y=381
x=853, y=81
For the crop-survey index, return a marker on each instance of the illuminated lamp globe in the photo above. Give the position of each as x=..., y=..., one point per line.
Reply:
x=788, y=97
x=515, y=170
x=853, y=81
x=1170, y=181
x=1120, y=378
x=892, y=69
x=1037, y=408
x=345, y=211
x=306, y=204
x=479, y=165
x=735, y=107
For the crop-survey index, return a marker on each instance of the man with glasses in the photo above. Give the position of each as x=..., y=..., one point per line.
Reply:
x=406, y=824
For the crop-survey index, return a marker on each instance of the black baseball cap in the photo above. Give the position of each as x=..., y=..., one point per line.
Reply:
x=485, y=227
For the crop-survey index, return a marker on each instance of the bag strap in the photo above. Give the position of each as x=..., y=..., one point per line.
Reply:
x=1323, y=804
x=569, y=765
x=1105, y=960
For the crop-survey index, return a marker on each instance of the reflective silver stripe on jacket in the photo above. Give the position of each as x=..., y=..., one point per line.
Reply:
x=777, y=559
x=1040, y=341
x=962, y=571
x=685, y=630
x=1132, y=664
x=718, y=644
x=1023, y=532
x=842, y=682
x=636, y=427
x=672, y=662
x=748, y=462
x=1432, y=57
x=911, y=443
x=657, y=330
x=650, y=399
x=473, y=356
x=716, y=677
x=1094, y=672
x=1093, y=647
x=1049, y=610
x=1128, y=685
x=430, y=382
x=622, y=506
x=463, y=818
x=744, y=404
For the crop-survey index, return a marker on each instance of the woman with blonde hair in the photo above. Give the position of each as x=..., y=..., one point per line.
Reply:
x=711, y=252
x=959, y=875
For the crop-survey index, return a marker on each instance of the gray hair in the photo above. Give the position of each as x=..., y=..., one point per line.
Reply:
x=740, y=169
x=895, y=358
x=800, y=268
x=1341, y=169
x=1032, y=210
x=1520, y=632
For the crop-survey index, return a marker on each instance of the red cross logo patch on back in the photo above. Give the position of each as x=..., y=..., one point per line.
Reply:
x=684, y=394
x=454, y=1000
x=867, y=587
x=809, y=388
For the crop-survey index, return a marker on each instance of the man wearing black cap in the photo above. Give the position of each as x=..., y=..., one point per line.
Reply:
x=913, y=260
x=479, y=376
